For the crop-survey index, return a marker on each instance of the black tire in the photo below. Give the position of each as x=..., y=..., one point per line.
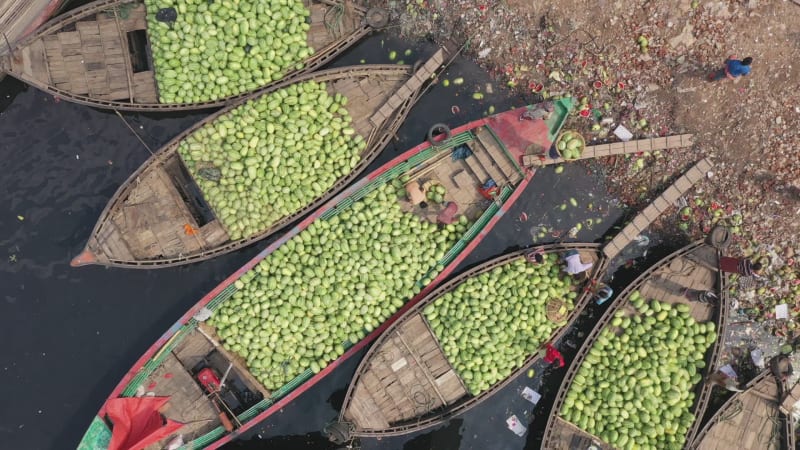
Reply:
x=377, y=17
x=435, y=131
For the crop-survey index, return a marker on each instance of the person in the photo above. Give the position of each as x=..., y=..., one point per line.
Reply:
x=733, y=69
x=540, y=111
x=574, y=264
x=602, y=293
x=721, y=379
x=741, y=266
x=552, y=355
x=448, y=214
x=536, y=256
x=416, y=194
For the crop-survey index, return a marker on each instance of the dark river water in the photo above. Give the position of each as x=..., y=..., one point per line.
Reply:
x=71, y=334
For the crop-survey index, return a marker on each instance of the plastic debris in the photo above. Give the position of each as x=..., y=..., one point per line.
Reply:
x=623, y=133
x=530, y=395
x=514, y=425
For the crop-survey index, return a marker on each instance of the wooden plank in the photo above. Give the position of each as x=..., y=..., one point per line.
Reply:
x=487, y=163
x=123, y=39
x=69, y=38
x=35, y=62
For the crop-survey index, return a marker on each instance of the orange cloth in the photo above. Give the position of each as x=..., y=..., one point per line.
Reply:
x=190, y=230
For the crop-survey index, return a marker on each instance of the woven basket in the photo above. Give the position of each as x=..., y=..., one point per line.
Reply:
x=553, y=310
x=575, y=135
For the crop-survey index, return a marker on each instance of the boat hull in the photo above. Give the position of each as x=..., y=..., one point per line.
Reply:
x=157, y=191
x=462, y=401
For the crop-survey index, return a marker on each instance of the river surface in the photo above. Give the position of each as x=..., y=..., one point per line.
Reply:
x=70, y=334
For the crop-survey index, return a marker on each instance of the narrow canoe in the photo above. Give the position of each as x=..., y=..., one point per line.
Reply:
x=101, y=55
x=408, y=380
x=754, y=419
x=145, y=223
x=202, y=337
x=694, y=267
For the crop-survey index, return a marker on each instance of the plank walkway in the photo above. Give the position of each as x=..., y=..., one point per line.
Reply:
x=616, y=148
x=413, y=84
x=658, y=206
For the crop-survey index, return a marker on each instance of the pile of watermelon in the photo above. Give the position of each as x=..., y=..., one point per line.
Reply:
x=217, y=49
x=272, y=156
x=491, y=323
x=635, y=389
x=329, y=286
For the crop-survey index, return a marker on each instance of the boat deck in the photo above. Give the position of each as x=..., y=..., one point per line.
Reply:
x=151, y=221
x=188, y=402
x=462, y=178
x=320, y=33
x=20, y=17
x=569, y=437
x=365, y=96
x=696, y=270
x=409, y=377
x=748, y=421
x=101, y=55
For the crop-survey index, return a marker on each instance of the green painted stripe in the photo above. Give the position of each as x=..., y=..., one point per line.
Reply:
x=98, y=436
x=221, y=297
x=153, y=364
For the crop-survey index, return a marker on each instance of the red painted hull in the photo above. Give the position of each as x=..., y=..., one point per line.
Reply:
x=516, y=136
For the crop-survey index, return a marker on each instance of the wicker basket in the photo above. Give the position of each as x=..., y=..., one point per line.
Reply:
x=553, y=310
x=575, y=135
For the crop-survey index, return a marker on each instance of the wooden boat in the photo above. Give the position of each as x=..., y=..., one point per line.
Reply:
x=99, y=54
x=757, y=418
x=143, y=224
x=694, y=267
x=406, y=382
x=497, y=144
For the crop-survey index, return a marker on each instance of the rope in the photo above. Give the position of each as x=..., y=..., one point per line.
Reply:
x=734, y=410
x=334, y=26
x=134, y=132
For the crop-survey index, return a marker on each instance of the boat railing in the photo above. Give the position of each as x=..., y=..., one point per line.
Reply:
x=721, y=315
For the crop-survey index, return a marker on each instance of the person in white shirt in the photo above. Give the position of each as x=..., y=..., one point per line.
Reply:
x=574, y=264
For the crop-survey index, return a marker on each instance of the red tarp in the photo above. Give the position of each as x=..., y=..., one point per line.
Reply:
x=137, y=422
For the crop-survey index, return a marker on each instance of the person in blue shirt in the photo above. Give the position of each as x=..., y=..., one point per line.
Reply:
x=733, y=69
